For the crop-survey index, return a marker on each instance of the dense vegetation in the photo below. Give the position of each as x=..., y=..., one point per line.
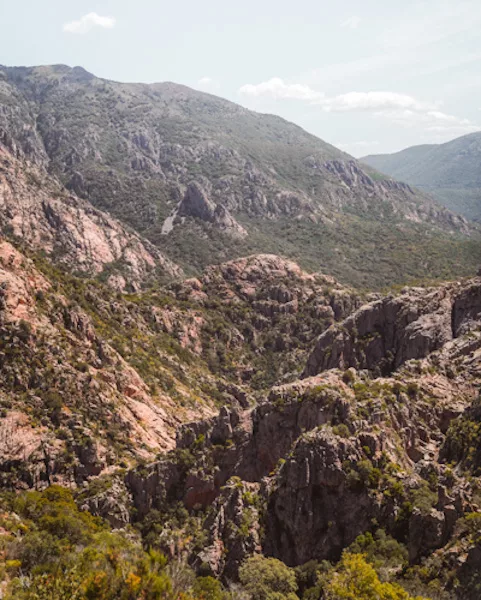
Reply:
x=369, y=255
x=51, y=550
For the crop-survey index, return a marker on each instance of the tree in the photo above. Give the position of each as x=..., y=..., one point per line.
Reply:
x=268, y=579
x=356, y=579
x=208, y=588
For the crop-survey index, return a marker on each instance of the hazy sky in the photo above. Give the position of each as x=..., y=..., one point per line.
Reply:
x=366, y=75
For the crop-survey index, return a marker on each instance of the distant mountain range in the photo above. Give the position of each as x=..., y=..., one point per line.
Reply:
x=192, y=179
x=451, y=172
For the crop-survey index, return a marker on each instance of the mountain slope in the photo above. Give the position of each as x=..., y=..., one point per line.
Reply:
x=377, y=443
x=206, y=180
x=38, y=211
x=450, y=171
x=92, y=378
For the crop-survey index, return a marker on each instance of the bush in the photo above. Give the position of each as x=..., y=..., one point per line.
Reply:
x=341, y=430
x=349, y=376
x=67, y=553
x=208, y=588
x=381, y=550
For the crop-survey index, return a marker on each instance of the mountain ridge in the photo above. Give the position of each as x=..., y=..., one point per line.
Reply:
x=133, y=150
x=449, y=171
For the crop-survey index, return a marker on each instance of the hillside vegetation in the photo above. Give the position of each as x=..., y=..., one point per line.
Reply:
x=451, y=172
x=205, y=180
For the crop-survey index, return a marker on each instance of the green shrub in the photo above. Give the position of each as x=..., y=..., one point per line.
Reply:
x=341, y=430
x=64, y=553
x=268, y=579
x=208, y=588
x=355, y=579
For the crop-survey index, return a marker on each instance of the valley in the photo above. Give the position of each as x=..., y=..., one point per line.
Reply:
x=235, y=363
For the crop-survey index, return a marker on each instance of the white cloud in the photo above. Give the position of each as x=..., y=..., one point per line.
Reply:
x=208, y=84
x=352, y=101
x=351, y=23
x=432, y=121
x=88, y=22
x=277, y=88
x=403, y=109
x=373, y=101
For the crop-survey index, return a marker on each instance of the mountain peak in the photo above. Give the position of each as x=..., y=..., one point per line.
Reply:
x=133, y=151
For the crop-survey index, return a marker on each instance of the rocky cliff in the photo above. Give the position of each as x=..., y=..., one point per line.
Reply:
x=37, y=210
x=92, y=378
x=323, y=460
x=383, y=335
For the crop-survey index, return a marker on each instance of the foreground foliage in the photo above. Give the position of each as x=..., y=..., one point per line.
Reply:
x=52, y=550
x=57, y=552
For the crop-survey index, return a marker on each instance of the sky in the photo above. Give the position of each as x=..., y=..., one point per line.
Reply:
x=368, y=76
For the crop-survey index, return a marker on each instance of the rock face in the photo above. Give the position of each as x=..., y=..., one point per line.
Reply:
x=324, y=455
x=272, y=312
x=385, y=334
x=313, y=511
x=326, y=458
x=233, y=524
x=197, y=204
x=71, y=404
x=37, y=210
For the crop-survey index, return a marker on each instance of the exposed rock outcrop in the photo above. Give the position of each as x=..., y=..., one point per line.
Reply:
x=196, y=203
x=385, y=334
x=314, y=511
x=70, y=403
x=37, y=210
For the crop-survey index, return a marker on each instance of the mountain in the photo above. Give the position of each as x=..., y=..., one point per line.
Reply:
x=92, y=378
x=451, y=172
x=245, y=428
x=205, y=180
x=257, y=412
